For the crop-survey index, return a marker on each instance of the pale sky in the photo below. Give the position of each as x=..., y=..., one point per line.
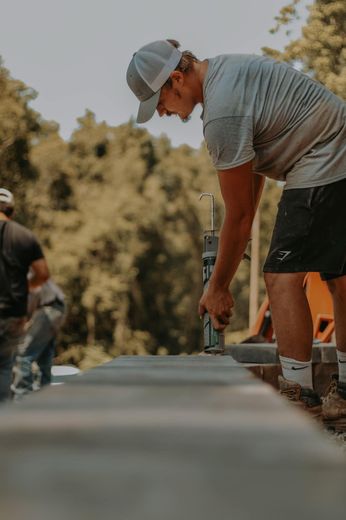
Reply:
x=75, y=53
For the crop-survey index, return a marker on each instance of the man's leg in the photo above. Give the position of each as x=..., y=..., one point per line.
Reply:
x=334, y=404
x=22, y=375
x=6, y=364
x=11, y=331
x=37, y=337
x=291, y=314
x=337, y=287
x=294, y=333
x=45, y=362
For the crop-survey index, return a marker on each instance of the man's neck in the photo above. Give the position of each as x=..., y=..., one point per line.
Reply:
x=200, y=71
x=3, y=216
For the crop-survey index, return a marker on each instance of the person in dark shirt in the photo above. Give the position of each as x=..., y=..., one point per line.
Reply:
x=19, y=252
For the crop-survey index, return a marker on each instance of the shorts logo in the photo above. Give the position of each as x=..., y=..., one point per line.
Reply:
x=283, y=255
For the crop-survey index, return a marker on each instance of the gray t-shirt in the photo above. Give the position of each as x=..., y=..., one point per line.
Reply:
x=292, y=127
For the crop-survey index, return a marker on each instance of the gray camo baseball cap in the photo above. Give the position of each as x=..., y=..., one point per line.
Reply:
x=148, y=71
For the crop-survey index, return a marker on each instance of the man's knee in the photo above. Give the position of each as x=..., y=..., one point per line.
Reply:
x=269, y=279
x=282, y=281
x=272, y=280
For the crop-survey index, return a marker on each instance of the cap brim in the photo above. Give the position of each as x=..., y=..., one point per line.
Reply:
x=147, y=108
x=7, y=200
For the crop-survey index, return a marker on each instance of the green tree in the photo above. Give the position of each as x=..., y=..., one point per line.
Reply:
x=19, y=126
x=321, y=48
x=119, y=216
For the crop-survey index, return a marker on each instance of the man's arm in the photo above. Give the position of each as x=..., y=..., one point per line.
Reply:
x=241, y=191
x=40, y=273
x=258, y=184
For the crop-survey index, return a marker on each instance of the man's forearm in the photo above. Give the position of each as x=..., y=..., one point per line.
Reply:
x=37, y=281
x=258, y=184
x=234, y=237
x=39, y=273
x=241, y=190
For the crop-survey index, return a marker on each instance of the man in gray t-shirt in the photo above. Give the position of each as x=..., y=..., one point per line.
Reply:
x=262, y=118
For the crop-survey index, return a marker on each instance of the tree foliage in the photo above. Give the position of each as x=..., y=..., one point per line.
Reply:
x=18, y=126
x=118, y=214
x=321, y=48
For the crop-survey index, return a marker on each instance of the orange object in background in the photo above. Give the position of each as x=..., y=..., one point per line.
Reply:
x=321, y=306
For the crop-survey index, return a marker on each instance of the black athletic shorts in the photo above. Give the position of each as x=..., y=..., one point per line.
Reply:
x=310, y=232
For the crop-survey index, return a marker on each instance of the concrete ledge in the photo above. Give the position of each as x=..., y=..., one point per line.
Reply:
x=266, y=353
x=263, y=360
x=153, y=438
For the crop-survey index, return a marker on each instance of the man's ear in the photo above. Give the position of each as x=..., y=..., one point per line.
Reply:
x=177, y=77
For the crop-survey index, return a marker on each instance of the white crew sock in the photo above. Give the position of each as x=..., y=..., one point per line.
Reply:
x=298, y=371
x=341, y=365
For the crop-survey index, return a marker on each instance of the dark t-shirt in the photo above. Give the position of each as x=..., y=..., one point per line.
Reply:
x=19, y=249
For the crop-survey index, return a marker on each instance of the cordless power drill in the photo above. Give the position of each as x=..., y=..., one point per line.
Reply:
x=214, y=341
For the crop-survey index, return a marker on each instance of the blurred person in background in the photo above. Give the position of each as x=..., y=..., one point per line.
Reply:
x=19, y=252
x=46, y=313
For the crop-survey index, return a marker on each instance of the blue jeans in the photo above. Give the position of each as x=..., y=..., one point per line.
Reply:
x=11, y=334
x=38, y=345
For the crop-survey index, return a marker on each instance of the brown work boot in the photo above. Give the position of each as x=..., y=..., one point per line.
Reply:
x=334, y=405
x=305, y=398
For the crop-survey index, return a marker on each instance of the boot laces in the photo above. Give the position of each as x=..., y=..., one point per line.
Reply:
x=332, y=390
x=292, y=393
